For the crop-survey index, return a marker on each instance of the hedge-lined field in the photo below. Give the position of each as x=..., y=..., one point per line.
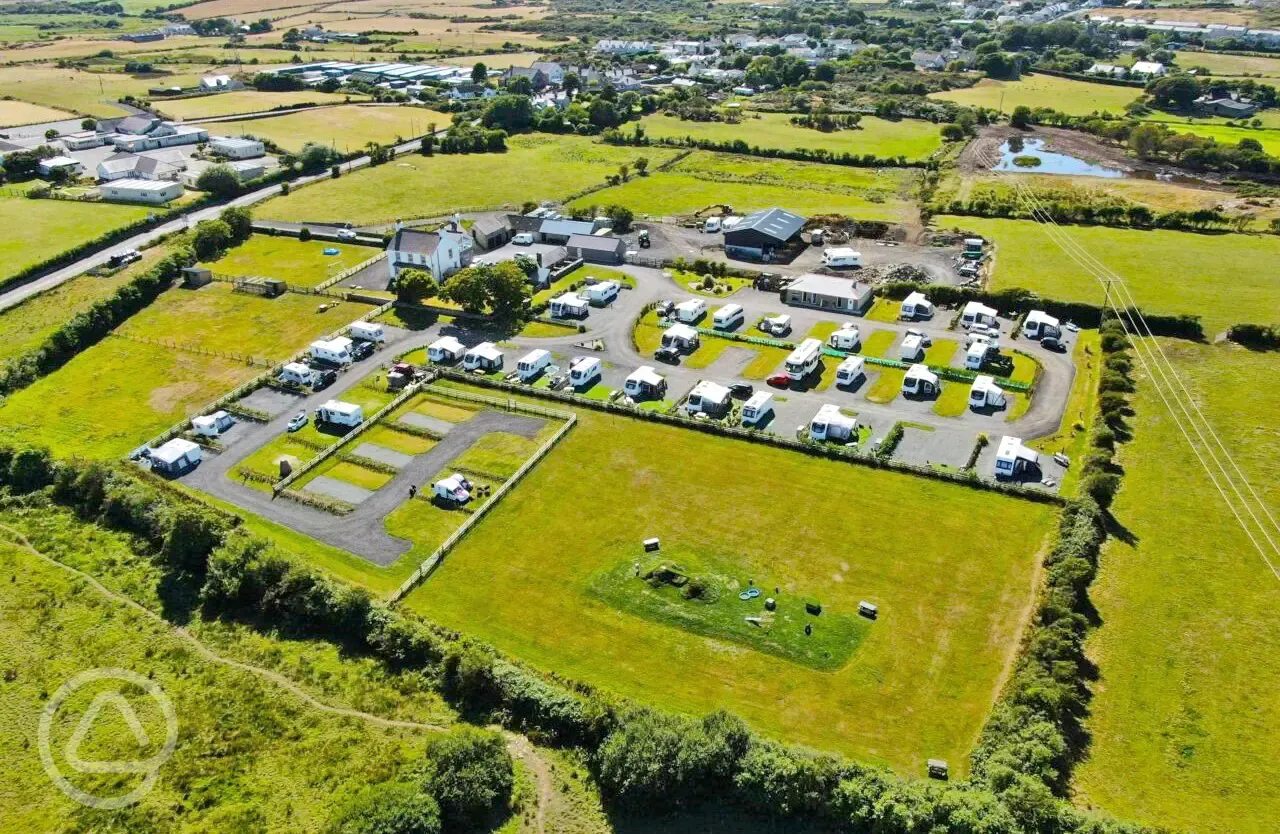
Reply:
x=346, y=128
x=241, y=101
x=299, y=263
x=919, y=685
x=1075, y=98
x=912, y=138
x=1185, y=720
x=48, y=227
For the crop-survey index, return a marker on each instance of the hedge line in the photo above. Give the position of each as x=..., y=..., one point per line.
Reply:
x=738, y=146
x=1256, y=336
x=88, y=328
x=645, y=761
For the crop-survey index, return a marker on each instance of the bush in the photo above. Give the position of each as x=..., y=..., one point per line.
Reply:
x=471, y=776
x=304, y=234
x=397, y=808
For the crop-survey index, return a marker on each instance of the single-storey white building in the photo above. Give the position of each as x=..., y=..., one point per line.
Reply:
x=645, y=382
x=708, y=398
x=920, y=382
x=340, y=413
x=827, y=292
x=916, y=306
x=830, y=423
x=984, y=393
x=681, y=337
x=484, y=356
x=1014, y=459
x=175, y=457
x=569, y=305
x=235, y=147
x=975, y=312
x=155, y=193
x=1040, y=325
x=58, y=165
x=757, y=408
x=131, y=166
x=445, y=349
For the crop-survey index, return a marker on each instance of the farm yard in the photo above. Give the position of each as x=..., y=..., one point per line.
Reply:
x=1185, y=716
x=699, y=496
x=912, y=139
x=345, y=127
x=1075, y=98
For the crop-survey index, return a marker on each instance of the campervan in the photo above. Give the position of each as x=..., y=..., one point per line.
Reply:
x=841, y=258
x=340, y=413
x=728, y=317
x=602, y=294
x=368, y=332
x=584, y=371
x=532, y=363
x=690, y=311
x=758, y=408
x=846, y=338
x=804, y=359
x=850, y=371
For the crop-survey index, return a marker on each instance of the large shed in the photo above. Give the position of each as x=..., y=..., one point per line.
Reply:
x=597, y=249
x=760, y=234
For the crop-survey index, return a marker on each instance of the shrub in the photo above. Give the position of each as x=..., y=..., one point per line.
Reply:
x=396, y=808
x=471, y=775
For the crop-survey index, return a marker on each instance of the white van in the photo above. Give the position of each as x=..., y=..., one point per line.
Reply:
x=532, y=364
x=846, y=338
x=758, y=408
x=523, y=239
x=804, y=359
x=728, y=317
x=712, y=225
x=584, y=371
x=841, y=258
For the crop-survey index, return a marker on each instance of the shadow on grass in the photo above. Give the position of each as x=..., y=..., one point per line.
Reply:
x=710, y=819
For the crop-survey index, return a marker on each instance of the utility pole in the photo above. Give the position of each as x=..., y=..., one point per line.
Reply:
x=1106, y=298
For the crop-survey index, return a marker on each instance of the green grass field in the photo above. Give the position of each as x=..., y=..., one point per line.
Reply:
x=1218, y=131
x=1075, y=98
x=1221, y=64
x=1185, y=720
x=346, y=128
x=1222, y=278
x=919, y=684
x=300, y=263
x=53, y=226
x=911, y=138
x=418, y=186
x=242, y=101
x=748, y=183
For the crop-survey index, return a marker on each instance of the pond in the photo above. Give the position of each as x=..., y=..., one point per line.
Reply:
x=1029, y=156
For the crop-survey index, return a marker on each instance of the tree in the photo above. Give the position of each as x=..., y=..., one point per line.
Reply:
x=89, y=124
x=471, y=776
x=415, y=285
x=508, y=290
x=1178, y=91
x=602, y=113
x=826, y=71
x=240, y=221
x=1145, y=140
x=50, y=134
x=211, y=239
x=510, y=113
x=1021, y=117
x=466, y=288
x=479, y=73
x=219, y=180
x=314, y=157
x=572, y=83
x=397, y=808
x=621, y=217
x=641, y=165
x=952, y=133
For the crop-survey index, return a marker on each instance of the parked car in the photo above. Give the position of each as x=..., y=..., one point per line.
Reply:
x=779, y=381
x=346, y=234
x=776, y=325
x=298, y=421
x=1053, y=343
x=667, y=354
x=323, y=379
x=361, y=350
x=925, y=341
x=523, y=239
x=741, y=390
x=666, y=308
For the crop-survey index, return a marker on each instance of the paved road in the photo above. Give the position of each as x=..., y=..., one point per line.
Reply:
x=66, y=273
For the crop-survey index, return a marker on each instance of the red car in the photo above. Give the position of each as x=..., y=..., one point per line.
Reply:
x=779, y=381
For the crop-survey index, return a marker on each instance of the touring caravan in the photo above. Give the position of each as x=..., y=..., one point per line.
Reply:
x=690, y=311
x=916, y=306
x=584, y=371
x=1014, y=459
x=708, y=398
x=569, y=305
x=340, y=413
x=368, y=332
x=680, y=337
x=912, y=348
x=445, y=349
x=728, y=317
x=850, y=371
x=296, y=373
x=976, y=356
x=336, y=351
x=985, y=394
x=758, y=408
x=1041, y=325
x=804, y=359
x=830, y=423
x=645, y=383
x=841, y=258
x=846, y=338
x=212, y=425
x=484, y=357
x=975, y=312
x=920, y=382
x=601, y=294
x=712, y=225
x=175, y=457
x=532, y=364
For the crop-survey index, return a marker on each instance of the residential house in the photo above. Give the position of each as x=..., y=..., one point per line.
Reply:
x=553, y=71
x=441, y=253
x=537, y=78
x=827, y=292
x=121, y=166
x=1147, y=69
x=621, y=47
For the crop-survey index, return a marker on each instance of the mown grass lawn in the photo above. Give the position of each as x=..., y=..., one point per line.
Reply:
x=911, y=138
x=49, y=227
x=953, y=401
x=347, y=127
x=1185, y=722
x=1075, y=98
x=879, y=343
x=884, y=310
x=887, y=386
x=241, y=101
x=921, y=682
x=300, y=263
x=748, y=183
x=534, y=167
x=1225, y=278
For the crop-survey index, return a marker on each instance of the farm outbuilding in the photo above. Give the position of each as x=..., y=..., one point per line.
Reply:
x=761, y=234
x=597, y=249
x=490, y=231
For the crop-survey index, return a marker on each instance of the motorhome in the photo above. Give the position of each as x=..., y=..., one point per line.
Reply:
x=984, y=393
x=846, y=338
x=804, y=359
x=680, y=337
x=830, y=423
x=533, y=363
x=758, y=408
x=296, y=373
x=920, y=382
x=584, y=371
x=483, y=357
x=850, y=370
x=916, y=306
x=645, y=383
x=708, y=398
x=841, y=258
x=690, y=311
x=455, y=489
x=728, y=317
x=445, y=349
x=570, y=305
x=779, y=325
x=368, y=332
x=976, y=356
x=340, y=413
x=336, y=351
x=602, y=294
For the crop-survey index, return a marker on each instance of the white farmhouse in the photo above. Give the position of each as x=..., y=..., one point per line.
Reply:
x=441, y=253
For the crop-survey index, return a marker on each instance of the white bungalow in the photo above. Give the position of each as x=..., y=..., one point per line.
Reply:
x=920, y=382
x=984, y=393
x=445, y=349
x=830, y=423
x=916, y=306
x=975, y=312
x=707, y=398
x=645, y=382
x=1014, y=459
x=483, y=357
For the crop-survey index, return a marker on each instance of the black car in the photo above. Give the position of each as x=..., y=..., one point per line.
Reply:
x=665, y=308
x=324, y=379
x=1054, y=343
x=361, y=350
x=669, y=355
x=740, y=390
